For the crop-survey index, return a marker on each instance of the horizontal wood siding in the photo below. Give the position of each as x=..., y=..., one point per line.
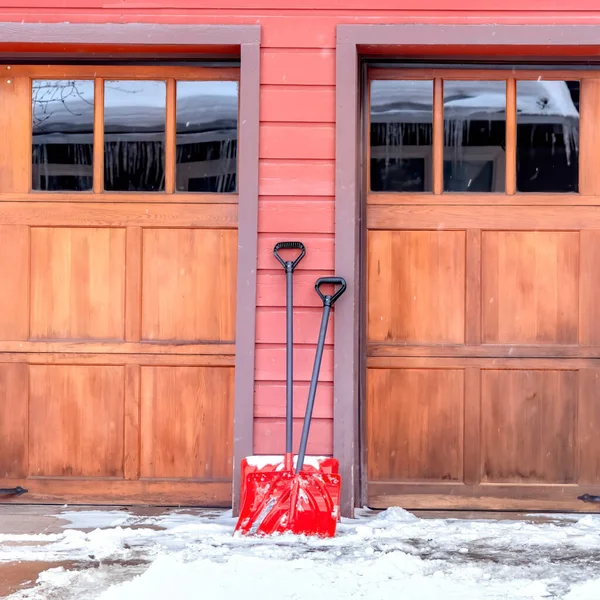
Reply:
x=297, y=156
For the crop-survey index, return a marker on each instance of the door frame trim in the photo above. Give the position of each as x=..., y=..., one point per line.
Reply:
x=48, y=41
x=353, y=43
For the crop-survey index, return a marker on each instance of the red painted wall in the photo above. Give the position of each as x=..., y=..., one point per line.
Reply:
x=297, y=152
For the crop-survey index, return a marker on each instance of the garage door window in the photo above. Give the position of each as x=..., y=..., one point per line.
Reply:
x=462, y=133
x=168, y=135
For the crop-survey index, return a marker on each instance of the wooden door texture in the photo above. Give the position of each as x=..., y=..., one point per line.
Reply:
x=118, y=262
x=482, y=318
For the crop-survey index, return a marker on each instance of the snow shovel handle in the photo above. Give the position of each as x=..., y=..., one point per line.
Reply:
x=333, y=281
x=289, y=264
x=327, y=304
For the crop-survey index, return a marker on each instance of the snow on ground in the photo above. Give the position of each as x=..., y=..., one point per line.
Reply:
x=392, y=555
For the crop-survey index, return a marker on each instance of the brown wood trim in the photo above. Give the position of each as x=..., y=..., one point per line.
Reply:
x=195, y=73
x=39, y=214
x=128, y=34
x=361, y=451
x=480, y=497
x=54, y=490
x=553, y=218
x=170, y=136
x=437, y=184
x=98, y=158
x=380, y=350
x=481, y=362
x=87, y=358
x=118, y=347
x=346, y=371
x=243, y=431
x=352, y=40
x=46, y=39
x=510, y=185
x=420, y=34
x=475, y=199
x=121, y=197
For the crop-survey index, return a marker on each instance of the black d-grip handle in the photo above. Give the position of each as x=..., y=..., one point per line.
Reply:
x=332, y=281
x=289, y=246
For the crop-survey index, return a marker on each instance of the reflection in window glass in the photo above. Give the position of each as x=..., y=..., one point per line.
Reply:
x=134, y=136
x=474, y=136
x=401, y=135
x=62, y=135
x=547, y=136
x=207, y=122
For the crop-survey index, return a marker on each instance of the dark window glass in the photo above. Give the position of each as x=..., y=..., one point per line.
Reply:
x=474, y=136
x=401, y=135
x=547, y=136
x=207, y=126
x=134, y=136
x=62, y=114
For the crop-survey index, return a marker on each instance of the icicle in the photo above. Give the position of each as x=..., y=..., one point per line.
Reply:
x=570, y=139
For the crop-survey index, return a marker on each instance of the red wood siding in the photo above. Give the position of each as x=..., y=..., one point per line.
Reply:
x=297, y=153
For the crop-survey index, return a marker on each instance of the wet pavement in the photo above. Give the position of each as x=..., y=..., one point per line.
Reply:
x=34, y=519
x=22, y=575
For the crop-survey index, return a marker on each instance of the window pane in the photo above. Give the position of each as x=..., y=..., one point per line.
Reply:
x=134, y=136
x=401, y=135
x=207, y=126
x=62, y=114
x=474, y=136
x=547, y=136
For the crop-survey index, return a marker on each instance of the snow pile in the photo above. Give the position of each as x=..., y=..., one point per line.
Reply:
x=376, y=556
x=257, y=577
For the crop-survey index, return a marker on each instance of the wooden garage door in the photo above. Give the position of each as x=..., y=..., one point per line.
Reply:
x=118, y=262
x=483, y=269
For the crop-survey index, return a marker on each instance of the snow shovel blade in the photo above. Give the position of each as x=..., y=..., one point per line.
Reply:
x=267, y=464
x=305, y=503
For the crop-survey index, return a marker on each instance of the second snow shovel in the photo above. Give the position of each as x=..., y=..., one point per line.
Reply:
x=296, y=500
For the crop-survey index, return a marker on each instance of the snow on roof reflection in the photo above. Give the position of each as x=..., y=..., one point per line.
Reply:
x=411, y=101
x=206, y=110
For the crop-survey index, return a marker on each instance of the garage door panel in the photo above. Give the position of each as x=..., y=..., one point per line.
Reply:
x=530, y=287
x=76, y=421
x=411, y=275
x=189, y=284
x=529, y=426
x=186, y=422
x=415, y=421
x=77, y=283
x=14, y=274
x=13, y=420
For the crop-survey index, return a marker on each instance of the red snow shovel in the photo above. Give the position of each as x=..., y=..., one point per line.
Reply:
x=266, y=464
x=299, y=501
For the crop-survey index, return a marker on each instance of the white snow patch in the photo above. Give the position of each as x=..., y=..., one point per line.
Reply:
x=590, y=590
x=267, y=579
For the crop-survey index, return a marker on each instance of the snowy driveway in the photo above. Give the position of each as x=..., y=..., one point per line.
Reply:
x=116, y=555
